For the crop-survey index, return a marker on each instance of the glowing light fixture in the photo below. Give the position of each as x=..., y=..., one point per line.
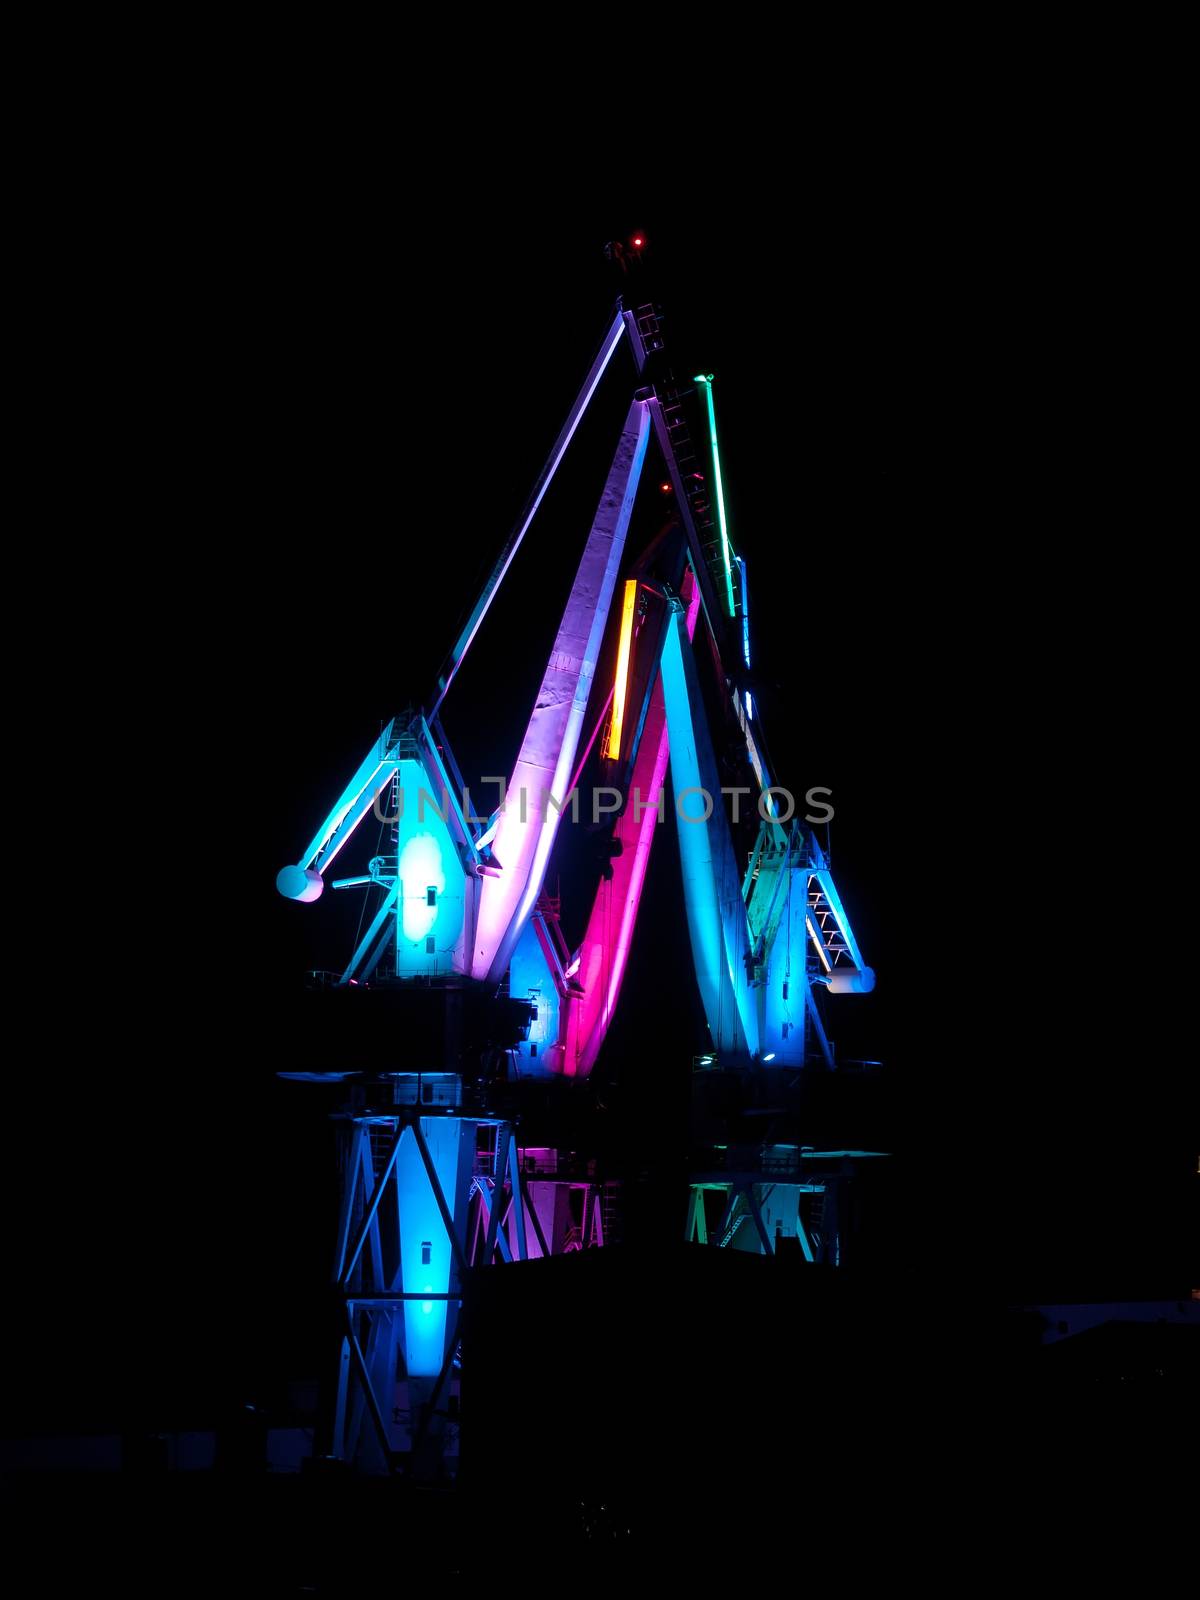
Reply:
x=612, y=747
x=745, y=613
x=423, y=878
x=770, y=1056
x=706, y=380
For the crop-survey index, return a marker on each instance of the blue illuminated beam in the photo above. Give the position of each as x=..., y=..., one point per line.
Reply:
x=357, y=798
x=711, y=879
x=372, y=933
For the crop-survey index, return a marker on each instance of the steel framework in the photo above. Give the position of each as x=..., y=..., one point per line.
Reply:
x=431, y=1190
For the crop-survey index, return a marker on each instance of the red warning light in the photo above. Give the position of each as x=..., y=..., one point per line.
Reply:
x=665, y=487
x=638, y=241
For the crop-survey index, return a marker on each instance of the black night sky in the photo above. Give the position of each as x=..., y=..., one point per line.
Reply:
x=352, y=415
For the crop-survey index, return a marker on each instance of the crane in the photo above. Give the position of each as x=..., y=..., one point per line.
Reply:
x=462, y=911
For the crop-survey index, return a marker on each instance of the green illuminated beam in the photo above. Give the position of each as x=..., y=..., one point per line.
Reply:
x=716, y=455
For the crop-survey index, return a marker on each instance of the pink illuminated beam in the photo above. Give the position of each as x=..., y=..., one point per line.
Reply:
x=604, y=953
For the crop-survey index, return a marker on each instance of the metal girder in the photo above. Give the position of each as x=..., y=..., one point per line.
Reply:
x=353, y=804
x=818, y=1027
x=699, y=565
x=712, y=882
x=373, y=1199
x=752, y=1206
x=696, y=1227
x=372, y=933
x=517, y=1202
x=537, y=789
x=490, y=589
x=499, y=1166
x=531, y=1212
x=439, y=1197
x=367, y=1387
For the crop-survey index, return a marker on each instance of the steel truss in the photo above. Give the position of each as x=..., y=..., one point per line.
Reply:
x=462, y=1179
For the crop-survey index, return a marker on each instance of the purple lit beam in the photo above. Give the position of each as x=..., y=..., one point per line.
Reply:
x=491, y=587
x=604, y=953
x=528, y=825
